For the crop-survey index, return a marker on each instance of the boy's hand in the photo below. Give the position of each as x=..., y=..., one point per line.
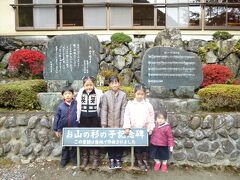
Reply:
x=58, y=134
x=126, y=131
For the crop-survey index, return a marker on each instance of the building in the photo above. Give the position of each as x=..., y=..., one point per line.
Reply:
x=141, y=18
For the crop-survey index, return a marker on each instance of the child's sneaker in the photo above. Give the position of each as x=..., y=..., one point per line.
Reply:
x=111, y=164
x=118, y=164
x=156, y=166
x=164, y=168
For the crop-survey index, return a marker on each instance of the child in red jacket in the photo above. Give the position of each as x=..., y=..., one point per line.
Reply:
x=161, y=142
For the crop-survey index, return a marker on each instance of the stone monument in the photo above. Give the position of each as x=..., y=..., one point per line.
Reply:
x=68, y=59
x=71, y=57
x=172, y=75
x=171, y=68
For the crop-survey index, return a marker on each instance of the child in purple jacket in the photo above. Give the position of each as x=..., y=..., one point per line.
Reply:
x=161, y=142
x=66, y=116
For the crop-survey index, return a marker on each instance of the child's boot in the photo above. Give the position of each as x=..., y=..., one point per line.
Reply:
x=140, y=162
x=145, y=160
x=95, y=159
x=141, y=165
x=164, y=168
x=85, y=158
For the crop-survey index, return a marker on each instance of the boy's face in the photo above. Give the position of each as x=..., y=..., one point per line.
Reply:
x=160, y=119
x=68, y=96
x=114, y=85
x=88, y=86
x=139, y=95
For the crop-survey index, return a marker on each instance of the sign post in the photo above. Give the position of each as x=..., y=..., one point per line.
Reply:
x=104, y=137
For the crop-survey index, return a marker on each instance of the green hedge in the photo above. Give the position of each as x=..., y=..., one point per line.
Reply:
x=220, y=97
x=127, y=89
x=21, y=94
x=120, y=38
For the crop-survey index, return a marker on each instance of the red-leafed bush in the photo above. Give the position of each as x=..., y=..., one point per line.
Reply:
x=26, y=62
x=215, y=74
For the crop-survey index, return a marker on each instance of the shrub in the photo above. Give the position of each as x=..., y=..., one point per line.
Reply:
x=222, y=35
x=120, y=38
x=215, y=74
x=21, y=94
x=236, y=48
x=210, y=46
x=26, y=62
x=220, y=97
x=107, y=74
x=127, y=89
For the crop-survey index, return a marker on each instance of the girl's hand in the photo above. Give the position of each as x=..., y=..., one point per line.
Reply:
x=171, y=149
x=126, y=131
x=150, y=132
x=58, y=134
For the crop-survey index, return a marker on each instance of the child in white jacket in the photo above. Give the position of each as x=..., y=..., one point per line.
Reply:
x=139, y=113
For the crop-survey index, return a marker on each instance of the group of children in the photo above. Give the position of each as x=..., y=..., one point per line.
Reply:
x=92, y=108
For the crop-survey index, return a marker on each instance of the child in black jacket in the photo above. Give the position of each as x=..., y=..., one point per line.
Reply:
x=66, y=116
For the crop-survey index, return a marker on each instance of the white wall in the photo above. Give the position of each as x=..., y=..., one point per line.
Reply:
x=7, y=17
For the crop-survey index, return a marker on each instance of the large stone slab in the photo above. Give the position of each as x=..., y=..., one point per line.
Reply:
x=71, y=57
x=49, y=101
x=176, y=105
x=171, y=67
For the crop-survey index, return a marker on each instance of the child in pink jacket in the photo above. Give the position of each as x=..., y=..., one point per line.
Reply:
x=161, y=142
x=139, y=113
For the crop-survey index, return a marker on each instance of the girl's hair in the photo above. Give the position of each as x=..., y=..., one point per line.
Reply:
x=113, y=79
x=67, y=88
x=161, y=112
x=86, y=78
x=138, y=87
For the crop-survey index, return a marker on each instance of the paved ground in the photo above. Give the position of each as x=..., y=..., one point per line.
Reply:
x=51, y=171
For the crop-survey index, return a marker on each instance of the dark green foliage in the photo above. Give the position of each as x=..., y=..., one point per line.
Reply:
x=210, y=46
x=220, y=97
x=21, y=94
x=120, y=38
x=222, y=35
x=236, y=48
x=127, y=89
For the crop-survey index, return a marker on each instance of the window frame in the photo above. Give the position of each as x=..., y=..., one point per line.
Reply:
x=59, y=7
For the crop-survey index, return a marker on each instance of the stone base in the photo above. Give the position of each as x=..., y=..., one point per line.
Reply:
x=176, y=105
x=57, y=85
x=49, y=101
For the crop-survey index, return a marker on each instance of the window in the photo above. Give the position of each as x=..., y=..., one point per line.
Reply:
x=25, y=14
x=215, y=16
x=233, y=16
x=72, y=15
x=143, y=15
x=182, y=16
x=222, y=13
x=44, y=16
x=127, y=14
x=120, y=17
x=94, y=16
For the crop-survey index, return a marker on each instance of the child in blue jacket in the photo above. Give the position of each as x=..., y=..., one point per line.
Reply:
x=66, y=116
